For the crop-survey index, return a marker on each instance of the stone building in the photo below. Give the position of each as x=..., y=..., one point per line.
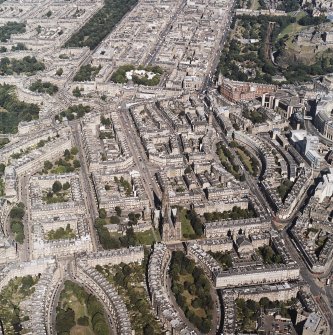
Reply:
x=171, y=225
x=239, y=91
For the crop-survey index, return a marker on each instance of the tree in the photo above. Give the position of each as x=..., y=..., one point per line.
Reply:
x=83, y=321
x=11, y=28
x=87, y=73
x=16, y=110
x=20, y=237
x=17, y=213
x=43, y=87
x=195, y=222
x=132, y=218
x=19, y=47
x=65, y=320
x=101, y=24
x=188, y=169
x=2, y=168
x=115, y=219
x=148, y=330
x=27, y=282
x=77, y=92
x=66, y=186
x=74, y=151
x=118, y=210
x=57, y=186
x=59, y=72
x=105, y=121
x=205, y=326
x=264, y=302
x=126, y=269
x=76, y=163
x=102, y=213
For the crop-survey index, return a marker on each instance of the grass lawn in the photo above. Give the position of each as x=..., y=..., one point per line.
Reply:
x=70, y=299
x=184, y=278
x=226, y=162
x=189, y=297
x=293, y=28
x=157, y=235
x=60, y=234
x=222, y=156
x=58, y=170
x=56, y=197
x=134, y=295
x=192, y=291
x=115, y=235
x=187, y=229
x=81, y=330
x=245, y=160
x=146, y=237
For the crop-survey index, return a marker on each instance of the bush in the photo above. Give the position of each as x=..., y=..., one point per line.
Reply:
x=83, y=321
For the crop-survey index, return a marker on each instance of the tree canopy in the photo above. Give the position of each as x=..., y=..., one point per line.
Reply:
x=87, y=73
x=14, y=110
x=11, y=28
x=43, y=87
x=101, y=24
x=27, y=65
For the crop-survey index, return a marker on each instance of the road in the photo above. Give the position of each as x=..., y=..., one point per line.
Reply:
x=140, y=158
x=141, y=162
x=310, y=128
x=24, y=249
x=213, y=63
x=324, y=297
x=315, y=285
x=251, y=182
x=163, y=34
x=88, y=190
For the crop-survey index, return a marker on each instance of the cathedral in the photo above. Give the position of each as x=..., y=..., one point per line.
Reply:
x=170, y=223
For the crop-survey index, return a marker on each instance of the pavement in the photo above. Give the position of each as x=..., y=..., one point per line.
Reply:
x=88, y=190
x=323, y=296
